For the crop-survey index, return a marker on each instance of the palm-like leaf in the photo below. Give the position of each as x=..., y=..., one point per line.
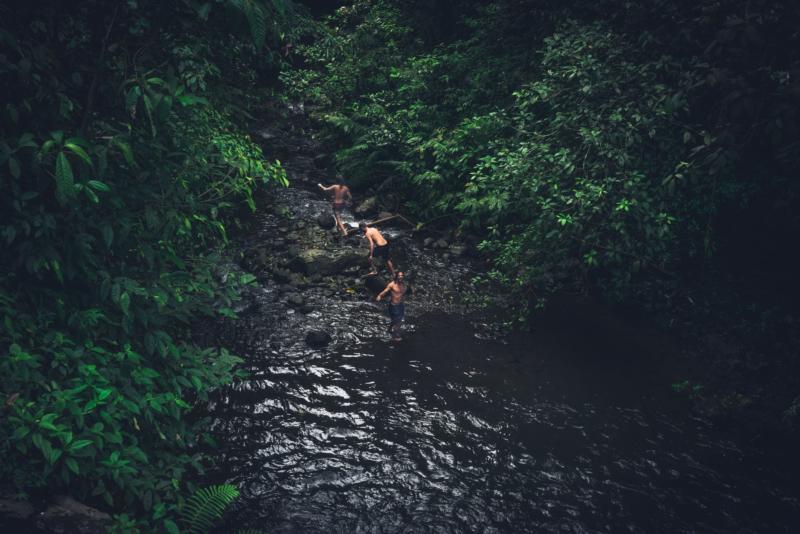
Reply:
x=206, y=506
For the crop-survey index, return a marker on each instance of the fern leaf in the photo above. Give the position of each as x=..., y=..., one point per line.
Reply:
x=206, y=506
x=256, y=17
x=280, y=7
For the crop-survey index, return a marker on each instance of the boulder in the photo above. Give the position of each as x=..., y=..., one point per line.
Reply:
x=317, y=338
x=368, y=206
x=297, y=280
x=375, y=284
x=295, y=300
x=325, y=262
x=326, y=221
x=255, y=259
x=458, y=250
x=12, y=508
x=322, y=161
x=281, y=276
x=441, y=244
x=66, y=515
x=306, y=309
x=428, y=242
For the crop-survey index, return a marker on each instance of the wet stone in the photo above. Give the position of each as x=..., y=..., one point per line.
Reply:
x=296, y=300
x=441, y=244
x=367, y=207
x=428, y=242
x=458, y=250
x=14, y=508
x=69, y=516
x=375, y=283
x=326, y=220
x=317, y=338
x=282, y=276
x=322, y=161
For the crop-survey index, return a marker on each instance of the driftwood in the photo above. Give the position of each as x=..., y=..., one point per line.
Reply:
x=385, y=219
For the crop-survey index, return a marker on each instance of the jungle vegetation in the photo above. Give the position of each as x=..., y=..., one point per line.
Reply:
x=125, y=161
x=627, y=148
x=630, y=149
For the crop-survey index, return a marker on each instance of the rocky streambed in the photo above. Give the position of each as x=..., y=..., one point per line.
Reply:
x=572, y=428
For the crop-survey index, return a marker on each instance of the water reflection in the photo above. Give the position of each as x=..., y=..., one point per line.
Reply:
x=450, y=432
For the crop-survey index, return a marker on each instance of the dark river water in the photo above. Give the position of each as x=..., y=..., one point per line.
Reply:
x=570, y=428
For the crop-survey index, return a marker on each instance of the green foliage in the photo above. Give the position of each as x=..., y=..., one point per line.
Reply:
x=126, y=170
x=590, y=145
x=206, y=506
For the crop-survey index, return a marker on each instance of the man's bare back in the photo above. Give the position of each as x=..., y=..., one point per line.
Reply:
x=341, y=197
x=378, y=246
x=341, y=194
x=375, y=236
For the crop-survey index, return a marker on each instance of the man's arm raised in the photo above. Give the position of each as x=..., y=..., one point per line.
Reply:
x=386, y=290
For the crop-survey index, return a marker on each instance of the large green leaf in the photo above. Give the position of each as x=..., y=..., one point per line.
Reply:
x=65, y=183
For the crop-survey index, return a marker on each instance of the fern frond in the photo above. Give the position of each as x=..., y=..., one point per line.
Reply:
x=256, y=15
x=206, y=506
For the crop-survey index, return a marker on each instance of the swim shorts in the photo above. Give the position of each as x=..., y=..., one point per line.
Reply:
x=397, y=312
x=381, y=251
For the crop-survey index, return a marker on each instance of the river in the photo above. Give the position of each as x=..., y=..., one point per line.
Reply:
x=570, y=428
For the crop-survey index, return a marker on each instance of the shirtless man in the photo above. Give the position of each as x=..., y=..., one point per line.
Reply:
x=341, y=198
x=397, y=289
x=378, y=247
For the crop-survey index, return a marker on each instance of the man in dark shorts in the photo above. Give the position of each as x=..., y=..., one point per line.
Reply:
x=378, y=248
x=397, y=289
x=341, y=198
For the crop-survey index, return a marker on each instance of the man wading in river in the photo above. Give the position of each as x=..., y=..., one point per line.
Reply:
x=378, y=248
x=397, y=289
x=341, y=198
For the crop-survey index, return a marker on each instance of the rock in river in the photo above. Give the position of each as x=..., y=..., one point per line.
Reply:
x=326, y=262
x=68, y=515
x=326, y=221
x=375, y=284
x=295, y=300
x=317, y=338
x=369, y=206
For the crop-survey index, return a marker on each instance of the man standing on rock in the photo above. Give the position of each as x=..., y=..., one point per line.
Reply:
x=378, y=248
x=397, y=289
x=341, y=198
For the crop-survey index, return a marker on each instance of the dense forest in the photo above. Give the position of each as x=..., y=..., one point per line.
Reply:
x=645, y=153
x=618, y=146
x=125, y=162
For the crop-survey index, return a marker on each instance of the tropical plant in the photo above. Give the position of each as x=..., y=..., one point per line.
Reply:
x=124, y=169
